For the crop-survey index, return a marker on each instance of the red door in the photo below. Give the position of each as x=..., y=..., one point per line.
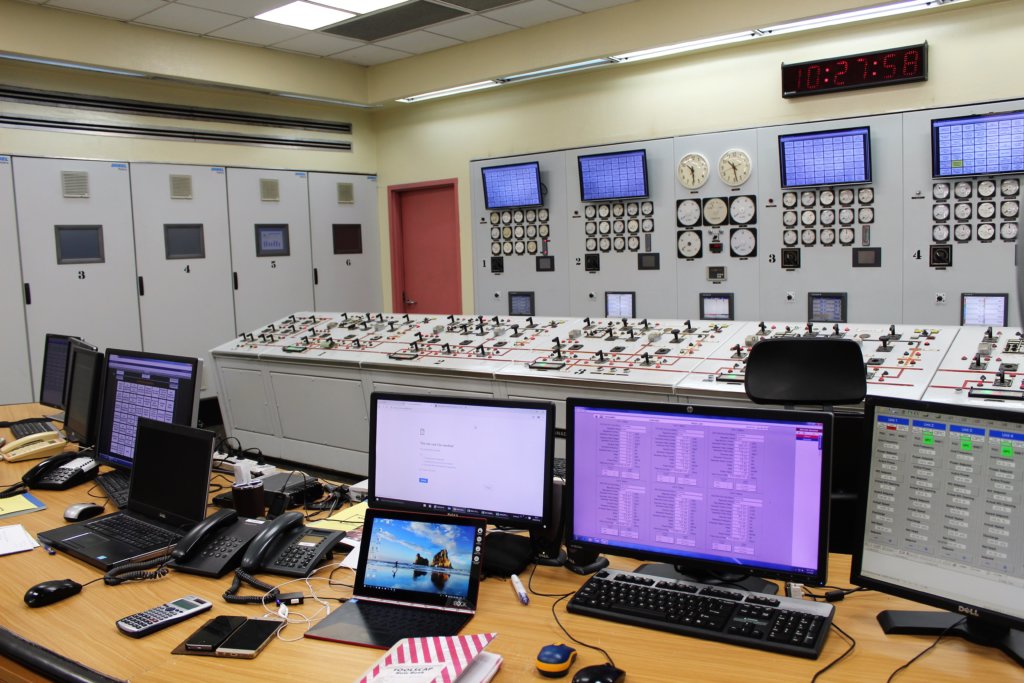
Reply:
x=425, y=262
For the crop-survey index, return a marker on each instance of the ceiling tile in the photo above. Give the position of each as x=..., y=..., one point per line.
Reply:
x=125, y=10
x=315, y=43
x=531, y=13
x=241, y=8
x=368, y=55
x=418, y=42
x=480, y=5
x=591, y=5
x=257, y=32
x=471, y=28
x=391, y=22
x=188, y=19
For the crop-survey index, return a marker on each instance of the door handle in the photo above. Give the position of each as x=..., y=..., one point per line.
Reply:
x=407, y=301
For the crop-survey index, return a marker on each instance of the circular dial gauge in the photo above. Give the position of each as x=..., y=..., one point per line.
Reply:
x=742, y=209
x=590, y=228
x=846, y=197
x=688, y=243
x=715, y=211
x=517, y=216
x=495, y=217
x=986, y=232
x=590, y=211
x=827, y=236
x=1009, y=209
x=807, y=198
x=1009, y=187
x=986, y=188
x=807, y=217
x=591, y=244
x=734, y=167
x=827, y=197
x=495, y=248
x=647, y=225
x=618, y=209
x=620, y=243
x=647, y=208
x=520, y=247
x=865, y=195
x=632, y=209
x=634, y=243
x=1008, y=231
x=962, y=232
x=531, y=215
x=604, y=227
x=618, y=227
x=519, y=231
x=688, y=212
x=986, y=209
x=962, y=211
x=789, y=237
x=531, y=247
x=865, y=214
x=531, y=231
x=845, y=216
x=940, y=233
x=543, y=230
x=693, y=171
x=506, y=216
x=846, y=235
x=605, y=243
x=789, y=199
x=495, y=233
x=507, y=248
x=506, y=232
x=632, y=225
x=807, y=237
x=542, y=215
x=940, y=212
x=962, y=190
x=603, y=211
x=742, y=242
x=940, y=191
x=789, y=218
x=827, y=217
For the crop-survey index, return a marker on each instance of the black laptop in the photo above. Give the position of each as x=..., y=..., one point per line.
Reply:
x=418, y=575
x=168, y=495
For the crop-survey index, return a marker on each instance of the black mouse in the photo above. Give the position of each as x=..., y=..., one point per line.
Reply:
x=599, y=673
x=49, y=592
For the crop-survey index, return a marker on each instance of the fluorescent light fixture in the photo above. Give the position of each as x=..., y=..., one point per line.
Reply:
x=688, y=46
x=457, y=90
x=359, y=6
x=72, y=65
x=555, y=70
x=305, y=15
x=325, y=100
x=889, y=10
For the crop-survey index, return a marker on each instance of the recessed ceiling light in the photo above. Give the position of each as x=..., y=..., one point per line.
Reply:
x=305, y=15
x=360, y=6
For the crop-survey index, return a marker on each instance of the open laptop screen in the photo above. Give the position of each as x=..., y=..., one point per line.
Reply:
x=171, y=477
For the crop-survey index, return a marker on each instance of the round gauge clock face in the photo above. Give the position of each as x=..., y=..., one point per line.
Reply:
x=1009, y=187
x=846, y=216
x=689, y=243
x=789, y=237
x=962, y=190
x=1009, y=209
x=940, y=191
x=632, y=209
x=743, y=242
x=715, y=211
x=789, y=199
x=827, y=197
x=603, y=211
x=846, y=236
x=618, y=227
x=986, y=209
x=940, y=212
x=604, y=227
x=734, y=167
x=605, y=244
x=865, y=195
x=506, y=216
x=865, y=214
x=647, y=208
x=542, y=215
x=632, y=225
x=634, y=243
x=986, y=232
x=531, y=247
x=827, y=217
x=520, y=247
x=495, y=248
x=986, y=188
x=531, y=216
x=495, y=217
x=846, y=196
x=962, y=232
x=519, y=232
x=807, y=217
x=647, y=224
x=693, y=170
x=688, y=212
x=789, y=218
x=807, y=198
x=618, y=209
x=827, y=236
x=807, y=237
x=962, y=211
x=543, y=230
x=940, y=233
x=506, y=232
x=495, y=233
x=590, y=211
x=1008, y=231
x=517, y=216
x=531, y=231
x=742, y=210
x=591, y=244
x=620, y=243
x=507, y=248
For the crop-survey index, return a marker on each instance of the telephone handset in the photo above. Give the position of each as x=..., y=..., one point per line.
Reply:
x=288, y=548
x=214, y=546
x=61, y=472
x=33, y=446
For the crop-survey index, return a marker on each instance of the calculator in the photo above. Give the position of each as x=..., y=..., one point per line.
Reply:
x=152, y=620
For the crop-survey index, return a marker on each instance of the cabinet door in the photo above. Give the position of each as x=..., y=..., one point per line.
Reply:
x=16, y=386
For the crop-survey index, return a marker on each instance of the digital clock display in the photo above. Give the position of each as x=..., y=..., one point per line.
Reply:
x=868, y=70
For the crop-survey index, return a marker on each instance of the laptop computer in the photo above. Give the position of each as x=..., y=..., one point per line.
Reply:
x=417, y=575
x=167, y=496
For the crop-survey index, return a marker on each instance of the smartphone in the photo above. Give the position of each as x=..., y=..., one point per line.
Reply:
x=213, y=633
x=249, y=638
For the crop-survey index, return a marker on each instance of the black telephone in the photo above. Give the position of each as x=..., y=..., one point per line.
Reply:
x=61, y=472
x=214, y=546
x=287, y=548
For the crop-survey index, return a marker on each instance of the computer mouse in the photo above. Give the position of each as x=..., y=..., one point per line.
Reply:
x=599, y=673
x=80, y=511
x=49, y=592
x=554, y=661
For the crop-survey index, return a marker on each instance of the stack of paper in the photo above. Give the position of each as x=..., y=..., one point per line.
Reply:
x=436, y=660
x=14, y=539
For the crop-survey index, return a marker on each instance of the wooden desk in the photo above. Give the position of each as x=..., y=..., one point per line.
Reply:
x=82, y=627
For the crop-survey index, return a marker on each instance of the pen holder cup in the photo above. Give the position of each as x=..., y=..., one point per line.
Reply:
x=248, y=499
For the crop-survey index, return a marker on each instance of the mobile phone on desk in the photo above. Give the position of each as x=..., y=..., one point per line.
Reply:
x=249, y=639
x=213, y=633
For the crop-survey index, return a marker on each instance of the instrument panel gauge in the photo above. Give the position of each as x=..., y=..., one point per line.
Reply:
x=846, y=196
x=1008, y=231
x=531, y=247
x=543, y=230
x=618, y=227
x=826, y=197
x=689, y=244
x=693, y=170
x=808, y=217
x=789, y=199
x=590, y=211
x=647, y=225
x=603, y=211
x=531, y=231
x=986, y=210
x=962, y=189
x=520, y=247
x=734, y=167
x=827, y=236
x=940, y=191
x=962, y=232
x=807, y=198
x=846, y=236
x=632, y=209
x=647, y=208
x=986, y=232
x=986, y=188
x=604, y=227
x=743, y=242
x=865, y=195
x=495, y=217
x=517, y=216
x=807, y=237
x=542, y=215
x=605, y=243
x=827, y=217
x=962, y=211
x=634, y=243
x=618, y=209
x=506, y=232
x=531, y=215
x=688, y=212
x=495, y=233
x=846, y=216
x=865, y=214
x=940, y=232
x=940, y=212
x=495, y=248
x=715, y=211
x=620, y=243
x=591, y=244
x=789, y=218
x=1009, y=187
x=633, y=225
x=507, y=248
x=506, y=216
x=790, y=237
x=1009, y=209
x=742, y=210
x=519, y=232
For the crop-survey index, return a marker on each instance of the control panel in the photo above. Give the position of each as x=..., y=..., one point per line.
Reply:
x=984, y=365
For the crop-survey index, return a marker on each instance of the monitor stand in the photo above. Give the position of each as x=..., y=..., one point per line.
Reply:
x=914, y=623
x=724, y=579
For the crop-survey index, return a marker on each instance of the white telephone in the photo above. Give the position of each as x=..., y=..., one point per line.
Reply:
x=34, y=446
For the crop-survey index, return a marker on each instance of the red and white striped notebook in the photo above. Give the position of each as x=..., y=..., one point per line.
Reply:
x=436, y=660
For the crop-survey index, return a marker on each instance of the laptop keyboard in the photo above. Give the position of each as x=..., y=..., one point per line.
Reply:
x=133, y=531
x=409, y=622
x=115, y=485
x=23, y=429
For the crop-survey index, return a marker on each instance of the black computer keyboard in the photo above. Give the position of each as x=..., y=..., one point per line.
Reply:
x=115, y=485
x=23, y=429
x=768, y=622
x=133, y=531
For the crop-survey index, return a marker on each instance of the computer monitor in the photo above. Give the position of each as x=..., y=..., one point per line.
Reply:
x=475, y=457
x=521, y=303
x=826, y=307
x=620, y=304
x=942, y=520
x=984, y=309
x=613, y=175
x=716, y=306
x=55, y=363
x=831, y=157
x=512, y=186
x=85, y=365
x=143, y=384
x=729, y=494
x=985, y=144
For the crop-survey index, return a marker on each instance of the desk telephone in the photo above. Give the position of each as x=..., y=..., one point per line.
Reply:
x=61, y=472
x=34, y=446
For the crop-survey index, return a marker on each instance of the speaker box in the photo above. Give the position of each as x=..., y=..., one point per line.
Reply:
x=547, y=543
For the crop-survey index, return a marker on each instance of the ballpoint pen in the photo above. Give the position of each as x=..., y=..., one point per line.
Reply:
x=517, y=585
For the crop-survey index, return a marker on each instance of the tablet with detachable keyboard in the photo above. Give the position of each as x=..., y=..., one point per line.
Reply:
x=418, y=575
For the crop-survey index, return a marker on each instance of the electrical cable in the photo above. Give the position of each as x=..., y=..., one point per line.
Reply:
x=573, y=638
x=927, y=649
x=853, y=643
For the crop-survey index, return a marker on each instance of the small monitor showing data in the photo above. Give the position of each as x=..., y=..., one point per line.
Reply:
x=978, y=145
x=620, y=304
x=984, y=309
x=272, y=240
x=613, y=175
x=512, y=186
x=833, y=157
x=826, y=307
x=716, y=306
x=521, y=303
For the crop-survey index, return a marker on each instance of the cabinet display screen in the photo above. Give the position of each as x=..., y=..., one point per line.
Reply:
x=272, y=240
x=512, y=186
x=826, y=307
x=867, y=70
x=831, y=157
x=974, y=145
x=615, y=175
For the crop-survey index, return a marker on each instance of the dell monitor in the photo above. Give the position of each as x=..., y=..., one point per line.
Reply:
x=85, y=365
x=984, y=309
x=142, y=384
x=942, y=519
x=55, y=363
x=719, y=494
x=468, y=456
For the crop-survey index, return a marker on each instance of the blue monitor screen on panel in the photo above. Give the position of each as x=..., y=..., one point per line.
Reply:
x=512, y=185
x=978, y=145
x=833, y=157
x=613, y=175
